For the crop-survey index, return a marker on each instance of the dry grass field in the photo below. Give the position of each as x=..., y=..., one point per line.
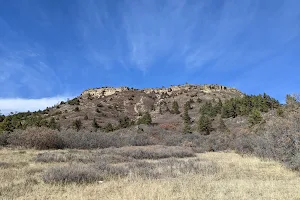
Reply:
x=130, y=173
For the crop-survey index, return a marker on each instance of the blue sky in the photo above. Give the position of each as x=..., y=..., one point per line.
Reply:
x=54, y=49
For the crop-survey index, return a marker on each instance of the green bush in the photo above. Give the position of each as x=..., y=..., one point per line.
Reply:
x=205, y=125
x=280, y=112
x=255, y=117
x=186, y=119
x=124, y=122
x=108, y=128
x=243, y=106
x=74, y=101
x=145, y=119
x=175, y=107
x=53, y=124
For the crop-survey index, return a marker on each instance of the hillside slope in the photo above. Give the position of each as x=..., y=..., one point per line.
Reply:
x=110, y=105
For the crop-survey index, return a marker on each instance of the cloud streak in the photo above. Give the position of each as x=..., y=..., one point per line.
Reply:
x=23, y=67
x=48, y=48
x=23, y=105
x=194, y=34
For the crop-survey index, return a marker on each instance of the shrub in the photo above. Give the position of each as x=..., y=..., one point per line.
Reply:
x=290, y=99
x=222, y=126
x=95, y=124
x=99, y=105
x=5, y=165
x=77, y=124
x=187, y=128
x=53, y=124
x=175, y=107
x=108, y=128
x=153, y=152
x=280, y=112
x=36, y=137
x=52, y=157
x=74, y=101
x=71, y=174
x=124, y=122
x=76, y=109
x=4, y=138
x=255, y=117
x=145, y=119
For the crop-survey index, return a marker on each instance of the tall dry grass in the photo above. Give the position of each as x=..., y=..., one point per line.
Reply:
x=234, y=177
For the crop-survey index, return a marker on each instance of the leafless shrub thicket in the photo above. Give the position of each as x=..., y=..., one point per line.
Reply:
x=36, y=137
x=42, y=138
x=150, y=152
x=279, y=140
x=71, y=174
x=83, y=157
x=6, y=165
x=79, y=173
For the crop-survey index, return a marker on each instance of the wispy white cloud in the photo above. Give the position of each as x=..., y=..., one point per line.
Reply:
x=193, y=34
x=200, y=34
x=23, y=105
x=23, y=67
x=222, y=36
x=99, y=34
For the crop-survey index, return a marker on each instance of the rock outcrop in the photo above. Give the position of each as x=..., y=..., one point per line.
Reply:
x=107, y=91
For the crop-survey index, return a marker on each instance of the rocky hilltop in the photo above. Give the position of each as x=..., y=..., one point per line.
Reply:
x=108, y=105
x=107, y=91
x=176, y=109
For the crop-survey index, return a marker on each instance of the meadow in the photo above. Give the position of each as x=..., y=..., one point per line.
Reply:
x=150, y=172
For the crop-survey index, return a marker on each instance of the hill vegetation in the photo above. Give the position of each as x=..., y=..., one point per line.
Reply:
x=206, y=118
x=109, y=142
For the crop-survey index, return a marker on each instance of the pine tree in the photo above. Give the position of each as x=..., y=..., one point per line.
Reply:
x=187, y=128
x=175, y=107
x=280, y=112
x=229, y=109
x=53, y=124
x=206, y=109
x=145, y=119
x=290, y=100
x=218, y=107
x=205, y=125
x=255, y=117
x=95, y=124
x=109, y=127
x=186, y=119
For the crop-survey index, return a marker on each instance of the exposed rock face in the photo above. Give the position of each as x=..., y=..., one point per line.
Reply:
x=203, y=88
x=107, y=91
